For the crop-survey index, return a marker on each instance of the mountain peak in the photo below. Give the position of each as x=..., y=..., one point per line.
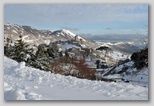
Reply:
x=64, y=31
x=33, y=35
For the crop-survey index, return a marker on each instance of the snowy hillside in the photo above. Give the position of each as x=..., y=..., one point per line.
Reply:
x=25, y=83
x=133, y=75
x=124, y=47
x=35, y=36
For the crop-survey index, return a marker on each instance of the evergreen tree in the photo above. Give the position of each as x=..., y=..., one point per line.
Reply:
x=8, y=50
x=44, y=56
x=22, y=52
x=8, y=47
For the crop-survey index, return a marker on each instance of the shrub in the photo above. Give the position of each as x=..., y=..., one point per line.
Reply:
x=70, y=66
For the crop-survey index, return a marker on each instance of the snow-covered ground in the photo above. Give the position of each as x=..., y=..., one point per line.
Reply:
x=140, y=78
x=26, y=83
x=66, y=46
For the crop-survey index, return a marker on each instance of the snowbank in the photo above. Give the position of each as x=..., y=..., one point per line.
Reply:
x=26, y=83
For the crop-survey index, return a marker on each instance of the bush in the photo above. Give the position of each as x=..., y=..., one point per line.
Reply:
x=73, y=67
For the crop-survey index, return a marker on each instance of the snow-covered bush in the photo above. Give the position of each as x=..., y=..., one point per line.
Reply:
x=20, y=51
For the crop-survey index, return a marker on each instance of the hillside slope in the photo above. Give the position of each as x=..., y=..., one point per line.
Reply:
x=36, y=36
x=25, y=83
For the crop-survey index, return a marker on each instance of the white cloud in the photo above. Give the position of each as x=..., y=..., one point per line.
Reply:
x=86, y=17
x=69, y=28
x=117, y=31
x=76, y=13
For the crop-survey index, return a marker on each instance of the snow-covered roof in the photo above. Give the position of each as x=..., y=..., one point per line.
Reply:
x=83, y=46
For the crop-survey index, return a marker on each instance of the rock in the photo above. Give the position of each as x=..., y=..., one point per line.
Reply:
x=140, y=58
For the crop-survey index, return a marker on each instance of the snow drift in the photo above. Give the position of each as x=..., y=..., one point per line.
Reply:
x=26, y=83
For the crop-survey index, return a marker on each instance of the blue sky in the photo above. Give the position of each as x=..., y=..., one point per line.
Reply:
x=95, y=19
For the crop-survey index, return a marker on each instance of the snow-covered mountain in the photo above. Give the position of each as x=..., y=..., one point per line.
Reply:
x=26, y=83
x=114, y=59
x=123, y=47
x=35, y=36
x=141, y=43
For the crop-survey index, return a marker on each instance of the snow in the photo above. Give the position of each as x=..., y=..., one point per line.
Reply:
x=66, y=46
x=113, y=76
x=71, y=34
x=68, y=32
x=83, y=46
x=141, y=77
x=118, y=55
x=119, y=68
x=124, y=47
x=26, y=83
x=14, y=31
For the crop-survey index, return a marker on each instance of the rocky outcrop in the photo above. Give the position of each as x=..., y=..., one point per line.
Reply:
x=140, y=58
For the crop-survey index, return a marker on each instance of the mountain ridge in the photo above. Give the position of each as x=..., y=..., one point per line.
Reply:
x=35, y=36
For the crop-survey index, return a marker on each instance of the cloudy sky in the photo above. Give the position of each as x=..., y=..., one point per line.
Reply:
x=95, y=19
